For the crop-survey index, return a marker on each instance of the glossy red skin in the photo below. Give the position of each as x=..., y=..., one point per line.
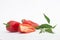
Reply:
x=24, y=21
x=28, y=31
x=13, y=26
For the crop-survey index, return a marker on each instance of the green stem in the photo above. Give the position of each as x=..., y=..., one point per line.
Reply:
x=6, y=24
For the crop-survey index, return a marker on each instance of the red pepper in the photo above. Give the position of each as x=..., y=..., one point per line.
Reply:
x=12, y=26
x=33, y=24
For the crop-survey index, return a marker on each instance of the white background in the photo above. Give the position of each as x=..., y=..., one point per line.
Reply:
x=32, y=10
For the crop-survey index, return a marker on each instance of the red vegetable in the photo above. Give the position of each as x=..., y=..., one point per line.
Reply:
x=33, y=24
x=25, y=28
x=12, y=26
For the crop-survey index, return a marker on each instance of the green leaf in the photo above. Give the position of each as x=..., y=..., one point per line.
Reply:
x=54, y=26
x=48, y=20
x=44, y=26
x=41, y=31
x=49, y=30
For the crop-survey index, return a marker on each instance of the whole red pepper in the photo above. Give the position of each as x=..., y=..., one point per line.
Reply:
x=12, y=26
